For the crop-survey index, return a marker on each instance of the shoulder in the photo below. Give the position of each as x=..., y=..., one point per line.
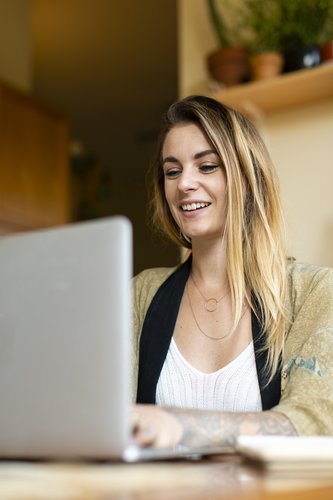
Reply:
x=146, y=283
x=151, y=278
x=301, y=275
x=308, y=280
x=309, y=291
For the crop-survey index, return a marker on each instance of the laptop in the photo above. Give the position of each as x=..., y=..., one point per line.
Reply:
x=65, y=329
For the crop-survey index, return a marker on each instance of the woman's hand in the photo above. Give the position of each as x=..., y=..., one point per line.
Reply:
x=154, y=426
x=167, y=427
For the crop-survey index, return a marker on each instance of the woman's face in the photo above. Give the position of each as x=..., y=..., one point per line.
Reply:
x=195, y=183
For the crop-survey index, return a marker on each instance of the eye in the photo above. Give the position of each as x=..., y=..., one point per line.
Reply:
x=172, y=173
x=207, y=168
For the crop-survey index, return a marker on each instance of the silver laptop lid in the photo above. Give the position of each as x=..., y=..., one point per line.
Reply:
x=64, y=340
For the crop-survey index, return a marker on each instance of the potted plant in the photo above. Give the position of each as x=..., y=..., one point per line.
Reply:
x=263, y=20
x=229, y=64
x=302, y=31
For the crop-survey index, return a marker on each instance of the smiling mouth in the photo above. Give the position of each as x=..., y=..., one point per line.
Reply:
x=190, y=207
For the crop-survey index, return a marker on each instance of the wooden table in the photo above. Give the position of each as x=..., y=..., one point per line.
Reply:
x=225, y=478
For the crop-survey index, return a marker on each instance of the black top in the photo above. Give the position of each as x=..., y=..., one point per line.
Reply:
x=157, y=332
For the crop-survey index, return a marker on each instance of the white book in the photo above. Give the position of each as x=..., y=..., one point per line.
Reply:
x=288, y=453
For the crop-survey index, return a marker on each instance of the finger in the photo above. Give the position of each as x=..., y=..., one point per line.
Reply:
x=135, y=420
x=145, y=435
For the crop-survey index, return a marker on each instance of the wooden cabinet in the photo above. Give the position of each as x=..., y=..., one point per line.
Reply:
x=34, y=163
x=282, y=92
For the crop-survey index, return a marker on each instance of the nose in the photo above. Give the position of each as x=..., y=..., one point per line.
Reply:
x=187, y=181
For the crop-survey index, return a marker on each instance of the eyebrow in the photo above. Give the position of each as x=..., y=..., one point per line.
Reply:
x=197, y=156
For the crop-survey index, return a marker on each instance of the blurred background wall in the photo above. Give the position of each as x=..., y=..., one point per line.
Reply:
x=113, y=68
x=15, y=42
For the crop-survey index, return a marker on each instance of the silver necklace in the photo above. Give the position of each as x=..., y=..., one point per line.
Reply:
x=197, y=323
x=211, y=303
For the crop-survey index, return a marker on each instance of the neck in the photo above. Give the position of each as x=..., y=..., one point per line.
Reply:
x=209, y=263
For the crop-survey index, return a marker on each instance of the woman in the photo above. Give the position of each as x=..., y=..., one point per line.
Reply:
x=237, y=339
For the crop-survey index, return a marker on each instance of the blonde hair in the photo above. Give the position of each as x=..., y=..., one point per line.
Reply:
x=254, y=230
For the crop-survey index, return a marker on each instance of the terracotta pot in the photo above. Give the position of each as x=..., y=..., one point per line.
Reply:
x=266, y=65
x=229, y=66
x=326, y=52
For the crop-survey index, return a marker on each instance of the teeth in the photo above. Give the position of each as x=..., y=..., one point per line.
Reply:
x=194, y=206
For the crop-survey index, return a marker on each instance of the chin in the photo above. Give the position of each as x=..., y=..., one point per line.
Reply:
x=204, y=235
x=198, y=235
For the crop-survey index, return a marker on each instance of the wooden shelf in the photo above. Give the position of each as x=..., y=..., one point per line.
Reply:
x=285, y=91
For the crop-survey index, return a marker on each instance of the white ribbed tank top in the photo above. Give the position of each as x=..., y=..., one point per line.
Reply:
x=234, y=387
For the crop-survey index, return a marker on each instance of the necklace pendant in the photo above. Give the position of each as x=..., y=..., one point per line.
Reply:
x=211, y=305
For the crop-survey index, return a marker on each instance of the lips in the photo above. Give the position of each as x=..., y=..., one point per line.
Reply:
x=190, y=207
